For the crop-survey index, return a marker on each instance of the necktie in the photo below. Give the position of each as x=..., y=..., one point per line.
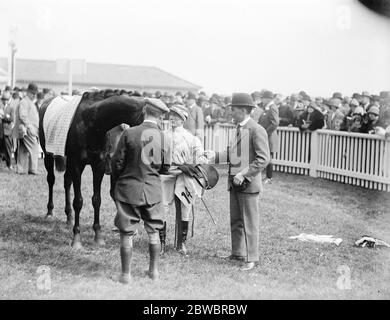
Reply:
x=238, y=133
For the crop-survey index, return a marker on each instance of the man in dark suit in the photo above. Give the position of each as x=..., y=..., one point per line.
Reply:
x=269, y=119
x=142, y=153
x=248, y=155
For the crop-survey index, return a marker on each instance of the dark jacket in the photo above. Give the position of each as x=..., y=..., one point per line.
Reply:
x=269, y=120
x=249, y=153
x=286, y=115
x=141, y=153
x=316, y=120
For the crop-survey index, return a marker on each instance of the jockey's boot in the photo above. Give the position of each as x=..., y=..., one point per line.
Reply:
x=126, y=251
x=181, y=247
x=163, y=236
x=154, y=254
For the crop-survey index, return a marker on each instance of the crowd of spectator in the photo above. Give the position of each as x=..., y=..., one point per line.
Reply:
x=362, y=112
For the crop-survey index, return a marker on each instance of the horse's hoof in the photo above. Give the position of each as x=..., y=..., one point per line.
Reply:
x=153, y=275
x=76, y=245
x=125, y=278
x=49, y=217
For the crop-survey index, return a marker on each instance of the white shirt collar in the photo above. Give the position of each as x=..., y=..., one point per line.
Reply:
x=244, y=122
x=151, y=121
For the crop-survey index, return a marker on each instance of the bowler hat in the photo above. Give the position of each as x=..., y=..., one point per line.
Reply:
x=207, y=176
x=384, y=94
x=268, y=95
x=32, y=88
x=337, y=95
x=17, y=89
x=242, y=100
x=366, y=94
x=191, y=95
x=356, y=96
x=6, y=95
x=334, y=102
x=214, y=100
x=7, y=88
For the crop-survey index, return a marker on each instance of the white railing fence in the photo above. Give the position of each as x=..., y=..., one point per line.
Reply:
x=353, y=158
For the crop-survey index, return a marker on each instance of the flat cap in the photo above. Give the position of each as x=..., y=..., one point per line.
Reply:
x=157, y=103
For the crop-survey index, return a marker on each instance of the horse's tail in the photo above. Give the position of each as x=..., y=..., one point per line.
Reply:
x=60, y=163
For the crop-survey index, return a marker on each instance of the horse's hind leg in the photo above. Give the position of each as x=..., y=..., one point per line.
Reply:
x=98, y=174
x=77, y=205
x=49, y=165
x=68, y=207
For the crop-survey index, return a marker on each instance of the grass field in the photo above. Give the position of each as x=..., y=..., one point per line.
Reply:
x=288, y=269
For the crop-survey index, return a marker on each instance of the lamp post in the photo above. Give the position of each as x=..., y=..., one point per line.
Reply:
x=12, y=54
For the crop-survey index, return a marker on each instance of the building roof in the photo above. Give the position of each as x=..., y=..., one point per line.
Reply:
x=99, y=74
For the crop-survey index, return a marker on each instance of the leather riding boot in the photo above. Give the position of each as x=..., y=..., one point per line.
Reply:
x=126, y=251
x=182, y=243
x=163, y=235
x=154, y=254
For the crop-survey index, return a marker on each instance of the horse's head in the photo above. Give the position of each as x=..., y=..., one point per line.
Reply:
x=107, y=109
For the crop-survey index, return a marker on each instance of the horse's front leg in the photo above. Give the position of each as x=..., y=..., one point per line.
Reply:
x=49, y=165
x=68, y=206
x=98, y=174
x=77, y=205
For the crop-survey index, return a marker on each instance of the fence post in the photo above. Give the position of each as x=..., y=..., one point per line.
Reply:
x=313, y=154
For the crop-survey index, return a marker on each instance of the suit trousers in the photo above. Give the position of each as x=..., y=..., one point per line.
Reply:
x=269, y=168
x=7, y=145
x=28, y=151
x=244, y=224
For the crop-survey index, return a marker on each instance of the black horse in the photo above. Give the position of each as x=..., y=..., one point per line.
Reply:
x=96, y=114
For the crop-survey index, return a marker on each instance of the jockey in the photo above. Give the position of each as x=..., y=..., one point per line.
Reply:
x=186, y=149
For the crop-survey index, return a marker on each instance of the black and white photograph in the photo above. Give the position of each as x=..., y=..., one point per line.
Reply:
x=210, y=152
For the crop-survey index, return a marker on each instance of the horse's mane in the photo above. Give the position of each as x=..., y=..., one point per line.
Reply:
x=99, y=95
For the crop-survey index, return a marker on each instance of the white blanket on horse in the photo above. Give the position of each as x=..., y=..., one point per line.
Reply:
x=56, y=123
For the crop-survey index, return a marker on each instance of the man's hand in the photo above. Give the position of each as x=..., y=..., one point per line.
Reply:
x=209, y=154
x=238, y=179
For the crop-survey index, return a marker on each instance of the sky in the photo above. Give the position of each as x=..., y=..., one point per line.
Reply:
x=224, y=46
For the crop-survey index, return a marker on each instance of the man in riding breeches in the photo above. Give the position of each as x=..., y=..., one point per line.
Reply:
x=142, y=153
